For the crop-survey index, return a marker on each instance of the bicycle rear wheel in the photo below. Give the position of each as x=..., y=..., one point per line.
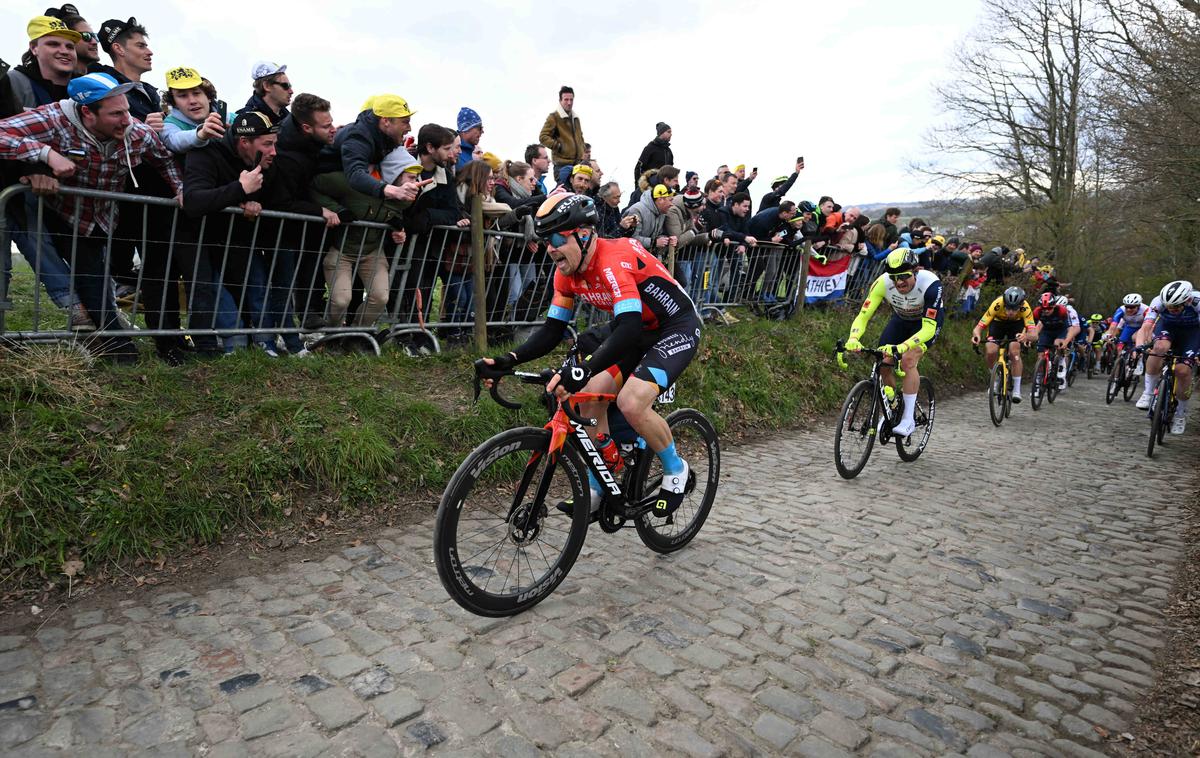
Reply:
x=855, y=435
x=697, y=443
x=1072, y=367
x=911, y=447
x=1114, y=381
x=1090, y=361
x=1008, y=392
x=499, y=542
x=1038, y=391
x=996, y=394
x=1051, y=380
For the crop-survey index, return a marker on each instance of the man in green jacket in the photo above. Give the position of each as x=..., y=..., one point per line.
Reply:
x=562, y=132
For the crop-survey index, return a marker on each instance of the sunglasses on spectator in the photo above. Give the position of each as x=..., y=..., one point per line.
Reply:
x=88, y=36
x=286, y=85
x=900, y=277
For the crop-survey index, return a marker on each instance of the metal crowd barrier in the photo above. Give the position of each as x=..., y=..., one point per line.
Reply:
x=282, y=275
x=203, y=279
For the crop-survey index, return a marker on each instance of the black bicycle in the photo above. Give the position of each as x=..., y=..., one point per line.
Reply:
x=507, y=531
x=869, y=410
x=1164, y=402
x=1123, y=379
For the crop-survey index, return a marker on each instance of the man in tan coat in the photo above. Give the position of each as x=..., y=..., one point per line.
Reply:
x=562, y=132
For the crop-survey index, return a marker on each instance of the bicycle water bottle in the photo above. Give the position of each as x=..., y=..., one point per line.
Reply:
x=611, y=452
x=890, y=392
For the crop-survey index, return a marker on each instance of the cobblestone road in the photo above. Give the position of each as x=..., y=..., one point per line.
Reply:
x=1001, y=595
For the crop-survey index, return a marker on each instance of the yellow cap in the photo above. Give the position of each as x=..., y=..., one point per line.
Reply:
x=582, y=168
x=493, y=160
x=42, y=26
x=938, y=239
x=739, y=167
x=413, y=169
x=662, y=190
x=183, y=78
x=388, y=106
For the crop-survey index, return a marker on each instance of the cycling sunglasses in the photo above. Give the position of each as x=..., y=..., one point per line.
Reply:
x=901, y=277
x=558, y=239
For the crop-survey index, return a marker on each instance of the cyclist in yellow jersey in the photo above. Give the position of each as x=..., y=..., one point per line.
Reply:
x=1009, y=317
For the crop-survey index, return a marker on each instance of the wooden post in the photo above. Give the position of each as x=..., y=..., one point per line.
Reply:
x=671, y=261
x=804, y=257
x=480, y=276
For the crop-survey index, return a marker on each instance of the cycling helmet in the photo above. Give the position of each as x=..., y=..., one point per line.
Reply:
x=1013, y=297
x=901, y=260
x=564, y=212
x=1176, y=293
x=1132, y=300
x=1047, y=300
x=1062, y=300
x=1095, y=317
x=804, y=206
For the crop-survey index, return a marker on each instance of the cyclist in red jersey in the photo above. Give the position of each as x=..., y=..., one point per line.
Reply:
x=653, y=336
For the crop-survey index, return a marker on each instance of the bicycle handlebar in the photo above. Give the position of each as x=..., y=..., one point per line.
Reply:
x=542, y=378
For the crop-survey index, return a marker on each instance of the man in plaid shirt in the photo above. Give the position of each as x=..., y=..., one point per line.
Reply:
x=88, y=141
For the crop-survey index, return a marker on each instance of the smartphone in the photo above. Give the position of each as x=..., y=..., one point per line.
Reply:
x=222, y=109
x=76, y=153
x=755, y=169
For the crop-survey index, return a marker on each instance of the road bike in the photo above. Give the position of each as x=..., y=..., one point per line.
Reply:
x=1123, y=379
x=1108, y=356
x=507, y=531
x=1046, y=377
x=872, y=409
x=1163, y=403
x=1000, y=384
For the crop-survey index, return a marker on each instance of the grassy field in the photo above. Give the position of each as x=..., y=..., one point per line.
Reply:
x=107, y=464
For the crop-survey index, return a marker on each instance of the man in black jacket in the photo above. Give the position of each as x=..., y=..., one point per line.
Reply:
x=769, y=225
x=377, y=131
x=656, y=154
x=234, y=172
x=302, y=135
x=272, y=91
x=779, y=188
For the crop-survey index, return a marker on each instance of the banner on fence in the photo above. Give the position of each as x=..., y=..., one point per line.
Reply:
x=826, y=281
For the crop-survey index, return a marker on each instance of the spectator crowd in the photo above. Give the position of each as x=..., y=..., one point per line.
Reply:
x=83, y=110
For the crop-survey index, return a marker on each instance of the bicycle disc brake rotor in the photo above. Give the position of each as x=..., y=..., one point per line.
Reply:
x=525, y=524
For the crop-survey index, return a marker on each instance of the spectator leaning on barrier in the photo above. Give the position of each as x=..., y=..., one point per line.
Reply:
x=374, y=136
x=650, y=212
x=774, y=225
x=95, y=123
x=891, y=217
x=656, y=153
x=47, y=65
x=232, y=172
x=780, y=187
x=192, y=121
x=684, y=225
x=562, y=132
x=470, y=129
x=611, y=223
x=272, y=91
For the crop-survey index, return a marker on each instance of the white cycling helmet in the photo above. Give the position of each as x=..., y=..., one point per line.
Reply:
x=1132, y=300
x=1176, y=293
x=1061, y=300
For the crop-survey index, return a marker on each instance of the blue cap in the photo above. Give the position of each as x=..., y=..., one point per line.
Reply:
x=93, y=88
x=468, y=119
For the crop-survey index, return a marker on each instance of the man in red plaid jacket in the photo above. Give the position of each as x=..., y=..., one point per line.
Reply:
x=88, y=141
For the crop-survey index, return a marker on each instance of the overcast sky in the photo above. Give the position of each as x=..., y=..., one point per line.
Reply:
x=847, y=85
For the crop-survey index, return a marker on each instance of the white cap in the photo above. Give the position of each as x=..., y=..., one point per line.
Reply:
x=266, y=68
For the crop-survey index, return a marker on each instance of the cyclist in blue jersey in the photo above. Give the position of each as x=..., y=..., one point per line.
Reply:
x=1174, y=324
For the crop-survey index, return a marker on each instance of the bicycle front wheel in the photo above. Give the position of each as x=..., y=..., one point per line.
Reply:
x=911, y=447
x=996, y=394
x=1114, y=381
x=500, y=543
x=697, y=443
x=1038, y=391
x=1130, y=376
x=1050, y=382
x=855, y=435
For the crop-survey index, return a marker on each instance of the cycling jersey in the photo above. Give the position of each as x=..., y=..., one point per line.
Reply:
x=1053, y=318
x=997, y=312
x=623, y=278
x=1073, y=317
x=1189, y=316
x=1121, y=318
x=920, y=308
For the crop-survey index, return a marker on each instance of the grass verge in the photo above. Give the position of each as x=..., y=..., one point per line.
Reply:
x=111, y=464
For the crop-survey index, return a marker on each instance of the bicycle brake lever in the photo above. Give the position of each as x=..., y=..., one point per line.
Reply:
x=495, y=392
x=571, y=414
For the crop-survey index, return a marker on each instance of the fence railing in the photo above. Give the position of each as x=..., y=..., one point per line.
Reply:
x=225, y=280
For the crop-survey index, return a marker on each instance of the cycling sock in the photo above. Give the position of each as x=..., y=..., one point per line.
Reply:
x=1181, y=407
x=1016, y=385
x=1151, y=383
x=671, y=462
x=910, y=404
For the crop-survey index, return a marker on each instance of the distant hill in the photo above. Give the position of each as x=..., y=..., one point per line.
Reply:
x=946, y=216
